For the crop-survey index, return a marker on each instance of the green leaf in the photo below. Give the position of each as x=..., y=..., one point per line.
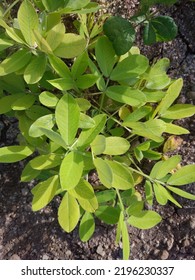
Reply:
x=24, y=102
x=104, y=172
x=15, y=62
x=67, y=118
x=87, y=227
x=122, y=178
x=157, y=77
x=42, y=122
x=166, y=167
x=71, y=170
x=46, y=161
x=7, y=101
x=53, y=136
x=160, y=195
x=175, y=129
x=183, y=176
x=48, y=99
x=41, y=43
x=154, y=96
x=51, y=5
x=145, y=219
x=28, y=21
x=14, y=153
x=148, y=192
x=171, y=95
x=120, y=32
x=108, y=214
x=83, y=103
x=130, y=67
x=135, y=205
x=126, y=95
x=182, y=193
x=62, y=84
x=179, y=111
x=105, y=55
x=60, y=67
x=14, y=34
x=138, y=114
x=106, y=196
x=36, y=111
x=125, y=240
x=71, y=46
x=44, y=192
x=86, y=81
x=100, y=81
x=80, y=65
x=87, y=136
x=77, y=4
x=28, y=173
x=151, y=129
x=68, y=213
x=109, y=145
x=89, y=205
x=149, y=34
x=5, y=43
x=55, y=35
x=85, y=122
x=83, y=190
x=152, y=155
x=35, y=69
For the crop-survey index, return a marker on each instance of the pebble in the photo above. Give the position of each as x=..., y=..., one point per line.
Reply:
x=15, y=257
x=100, y=251
x=170, y=243
x=192, y=223
x=165, y=255
x=25, y=191
x=45, y=257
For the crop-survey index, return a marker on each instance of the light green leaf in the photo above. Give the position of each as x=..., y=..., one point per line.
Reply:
x=24, y=102
x=48, y=99
x=80, y=65
x=46, y=161
x=68, y=213
x=5, y=43
x=14, y=153
x=101, y=85
x=87, y=136
x=171, y=95
x=165, y=167
x=35, y=69
x=87, y=227
x=105, y=55
x=98, y=145
x=130, y=67
x=86, y=122
x=106, y=196
x=148, y=192
x=135, y=205
x=28, y=173
x=89, y=205
x=126, y=95
x=157, y=77
x=71, y=170
x=151, y=129
x=42, y=122
x=122, y=178
x=125, y=240
x=138, y=114
x=37, y=111
x=183, y=176
x=67, y=118
x=28, y=21
x=108, y=214
x=44, y=192
x=62, y=84
x=182, y=193
x=83, y=190
x=60, y=67
x=83, y=103
x=154, y=96
x=53, y=136
x=104, y=172
x=145, y=219
x=7, y=101
x=71, y=46
x=41, y=42
x=175, y=129
x=15, y=62
x=179, y=111
x=160, y=194
x=55, y=35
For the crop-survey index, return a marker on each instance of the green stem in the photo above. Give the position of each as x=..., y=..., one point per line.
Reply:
x=120, y=201
x=10, y=7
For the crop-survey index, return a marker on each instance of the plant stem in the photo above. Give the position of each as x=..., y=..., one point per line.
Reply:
x=10, y=7
x=120, y=201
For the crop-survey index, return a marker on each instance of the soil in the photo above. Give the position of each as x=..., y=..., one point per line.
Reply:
x=35, y=236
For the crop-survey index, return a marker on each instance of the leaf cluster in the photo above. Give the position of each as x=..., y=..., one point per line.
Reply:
x=82, y=108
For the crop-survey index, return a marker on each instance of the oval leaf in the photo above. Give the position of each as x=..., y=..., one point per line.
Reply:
x=87, y=227
x=183, y=176
x=14, y=153
x=108, y=214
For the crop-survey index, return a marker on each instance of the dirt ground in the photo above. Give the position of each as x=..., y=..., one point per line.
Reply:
x=35, y=236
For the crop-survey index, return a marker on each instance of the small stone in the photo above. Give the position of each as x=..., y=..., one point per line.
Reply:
x=100, y=250
x=170, y=243
x=15, y=257
x=68, y=253
x=186, y=243
x=25, y=191
x=165, y=255
x=192, y=223
x=45, y=257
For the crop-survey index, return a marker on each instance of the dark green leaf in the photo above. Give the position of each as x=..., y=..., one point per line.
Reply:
x=108, y=214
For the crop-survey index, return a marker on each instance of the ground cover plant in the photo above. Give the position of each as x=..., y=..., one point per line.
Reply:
x=81, y=108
